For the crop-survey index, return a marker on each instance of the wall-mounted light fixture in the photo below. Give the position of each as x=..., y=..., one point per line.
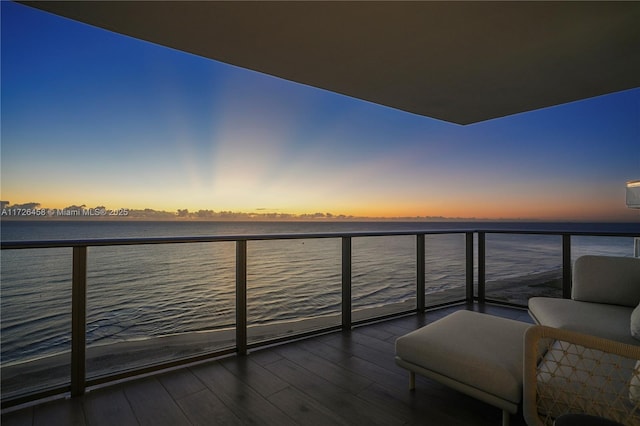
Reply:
x=633, y=202
x=633, y=194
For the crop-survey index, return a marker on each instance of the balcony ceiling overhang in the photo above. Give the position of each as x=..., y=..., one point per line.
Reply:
x=461, y=62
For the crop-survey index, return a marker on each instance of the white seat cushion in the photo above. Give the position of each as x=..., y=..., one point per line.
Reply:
x=597, y=319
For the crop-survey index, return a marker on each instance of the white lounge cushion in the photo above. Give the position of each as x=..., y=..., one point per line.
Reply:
x=607, y=279
x=597, y=319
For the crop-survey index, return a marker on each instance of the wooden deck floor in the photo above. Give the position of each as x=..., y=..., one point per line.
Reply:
x=342, y=378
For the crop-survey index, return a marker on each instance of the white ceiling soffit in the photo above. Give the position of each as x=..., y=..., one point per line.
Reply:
x=461, y=62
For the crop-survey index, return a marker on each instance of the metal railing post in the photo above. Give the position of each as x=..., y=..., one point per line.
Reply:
x=346, y=283
x=420, y=272
x=78, y=320
x=481, y=267
x=241, y=297
x=469, y=266
x=566, y=266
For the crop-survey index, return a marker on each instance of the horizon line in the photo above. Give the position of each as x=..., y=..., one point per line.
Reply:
x=34, y=211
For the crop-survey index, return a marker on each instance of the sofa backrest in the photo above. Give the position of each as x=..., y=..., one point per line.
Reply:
x=607, y=279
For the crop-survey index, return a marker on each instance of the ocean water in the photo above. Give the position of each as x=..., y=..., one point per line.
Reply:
x=137, y=292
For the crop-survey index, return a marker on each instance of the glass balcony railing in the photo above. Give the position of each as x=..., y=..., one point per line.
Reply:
x=84, y=312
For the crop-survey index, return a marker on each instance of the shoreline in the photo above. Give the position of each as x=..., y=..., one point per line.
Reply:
x=111, y=358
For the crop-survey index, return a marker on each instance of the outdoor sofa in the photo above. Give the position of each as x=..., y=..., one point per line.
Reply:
x=605, y=292
x=580, y=357
x=586, y=358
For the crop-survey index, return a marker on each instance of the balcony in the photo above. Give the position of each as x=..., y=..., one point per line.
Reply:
x=335, y=368
x=335, y=378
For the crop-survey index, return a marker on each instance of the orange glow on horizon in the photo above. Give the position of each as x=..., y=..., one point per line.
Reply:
x=391, y=210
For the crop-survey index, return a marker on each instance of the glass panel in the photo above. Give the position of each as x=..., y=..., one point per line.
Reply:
x=35, y=299
x=383, y=275
x=605, y=246
x=445, y=265
x=149, y=304
x=293, y=286
x=522, y=266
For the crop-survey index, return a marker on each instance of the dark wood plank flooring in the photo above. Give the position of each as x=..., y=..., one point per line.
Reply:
x=342, y=378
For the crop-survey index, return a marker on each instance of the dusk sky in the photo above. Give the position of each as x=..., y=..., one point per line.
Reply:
x=96, y=118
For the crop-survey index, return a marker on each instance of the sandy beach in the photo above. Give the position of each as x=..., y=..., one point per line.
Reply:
x=51, y=371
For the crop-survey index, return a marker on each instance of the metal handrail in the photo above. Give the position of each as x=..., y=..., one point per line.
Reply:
x=13, y=245
x=79, y=279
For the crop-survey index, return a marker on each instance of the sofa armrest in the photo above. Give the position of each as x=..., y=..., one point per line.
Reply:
x=569, y=372
x=607, y=279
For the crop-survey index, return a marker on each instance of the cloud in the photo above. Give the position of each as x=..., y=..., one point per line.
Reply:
x=24, y=206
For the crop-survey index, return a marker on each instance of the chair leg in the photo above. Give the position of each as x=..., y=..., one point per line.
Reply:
x=505, y=418
x=412, y=380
